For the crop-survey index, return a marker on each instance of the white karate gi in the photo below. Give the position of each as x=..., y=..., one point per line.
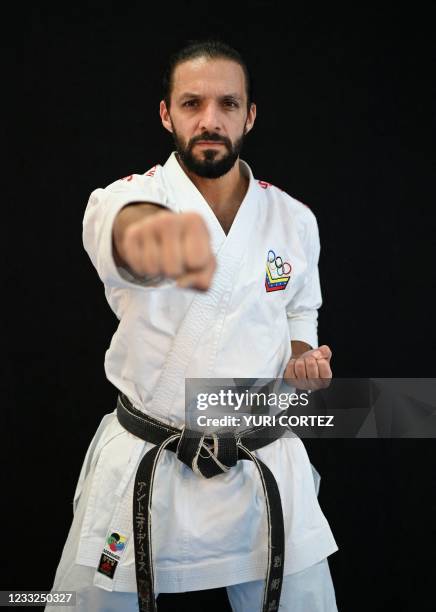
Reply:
x=206, y=532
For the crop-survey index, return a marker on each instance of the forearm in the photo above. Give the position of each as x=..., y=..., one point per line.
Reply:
x=299, y=347
x=129, y=214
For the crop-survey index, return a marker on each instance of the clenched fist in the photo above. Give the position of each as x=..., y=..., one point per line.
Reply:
x=310, y=370
x=153, y=241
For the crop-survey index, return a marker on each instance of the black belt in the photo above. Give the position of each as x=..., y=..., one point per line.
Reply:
x=227, y=449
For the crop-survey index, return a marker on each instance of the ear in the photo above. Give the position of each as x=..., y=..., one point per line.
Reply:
x=251, y=117
x=165, y=116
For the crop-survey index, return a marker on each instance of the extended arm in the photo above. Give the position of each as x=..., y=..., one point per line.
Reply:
x=149, y=240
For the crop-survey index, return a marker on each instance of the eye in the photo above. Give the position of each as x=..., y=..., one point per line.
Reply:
x=231, y=103
x=190, y=103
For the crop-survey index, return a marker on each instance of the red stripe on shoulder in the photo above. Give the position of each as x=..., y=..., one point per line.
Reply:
x=148, y=173
x=265, y=184
x=152, y=170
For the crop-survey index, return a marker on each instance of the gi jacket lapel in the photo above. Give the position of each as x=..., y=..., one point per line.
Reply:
x=188, y=198
x=209, y=308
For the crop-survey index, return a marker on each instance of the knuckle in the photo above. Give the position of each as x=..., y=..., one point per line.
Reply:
x=162, y=228
x=170, y=223
x=192, y=219
x=197, y=218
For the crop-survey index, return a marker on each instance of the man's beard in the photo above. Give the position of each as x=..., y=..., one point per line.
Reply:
x=207, y=166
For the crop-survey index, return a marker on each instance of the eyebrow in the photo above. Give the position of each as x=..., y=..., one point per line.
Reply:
x=235, y=96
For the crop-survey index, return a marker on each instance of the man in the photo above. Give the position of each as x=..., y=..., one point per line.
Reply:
x=212, y=274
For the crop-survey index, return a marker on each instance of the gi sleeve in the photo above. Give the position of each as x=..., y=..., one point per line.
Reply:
x=302, y=310
x=101, y=210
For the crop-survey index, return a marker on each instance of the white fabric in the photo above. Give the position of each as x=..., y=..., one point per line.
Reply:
x=206, y=533
x=310, y=590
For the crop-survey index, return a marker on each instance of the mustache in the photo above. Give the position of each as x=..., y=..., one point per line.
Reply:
x=211, y=137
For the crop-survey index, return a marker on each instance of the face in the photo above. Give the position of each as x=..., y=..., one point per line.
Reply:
x=208, y=114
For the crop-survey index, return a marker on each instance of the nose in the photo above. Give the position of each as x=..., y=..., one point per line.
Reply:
x=210, y=118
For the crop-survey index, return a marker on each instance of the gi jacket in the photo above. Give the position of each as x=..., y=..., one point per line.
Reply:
x=265, y=292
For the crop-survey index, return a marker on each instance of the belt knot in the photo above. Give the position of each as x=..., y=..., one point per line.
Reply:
x=205, y=460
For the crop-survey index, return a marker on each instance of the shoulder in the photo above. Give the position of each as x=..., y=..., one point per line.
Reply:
x=146, y=186
x=150, y=177
x=289, y=206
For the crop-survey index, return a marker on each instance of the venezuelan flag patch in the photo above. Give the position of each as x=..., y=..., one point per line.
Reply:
x=278, y=272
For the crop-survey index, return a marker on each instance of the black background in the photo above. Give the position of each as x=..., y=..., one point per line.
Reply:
x=345, y=124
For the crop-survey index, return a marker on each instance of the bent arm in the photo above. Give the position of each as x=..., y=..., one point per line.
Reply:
x=299, y=347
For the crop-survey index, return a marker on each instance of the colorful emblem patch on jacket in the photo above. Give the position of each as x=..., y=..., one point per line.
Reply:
x=116, y=542
x=113, y=549
x=278, y=272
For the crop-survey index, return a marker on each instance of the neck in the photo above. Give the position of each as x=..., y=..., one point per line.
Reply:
x=223, y=194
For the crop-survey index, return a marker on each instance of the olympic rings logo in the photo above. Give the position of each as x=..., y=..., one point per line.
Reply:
x=277, y=266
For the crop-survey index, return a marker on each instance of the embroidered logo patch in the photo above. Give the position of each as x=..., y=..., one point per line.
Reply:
x=114, y=547
x=278, y=272
x=116, y=542
x=107, y=566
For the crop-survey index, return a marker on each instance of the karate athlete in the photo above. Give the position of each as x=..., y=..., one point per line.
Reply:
x=212, y=274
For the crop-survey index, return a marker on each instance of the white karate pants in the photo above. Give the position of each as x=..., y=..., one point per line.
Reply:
x=310, y=590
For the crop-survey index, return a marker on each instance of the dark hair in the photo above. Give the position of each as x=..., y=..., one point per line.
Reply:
x=210, y=48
